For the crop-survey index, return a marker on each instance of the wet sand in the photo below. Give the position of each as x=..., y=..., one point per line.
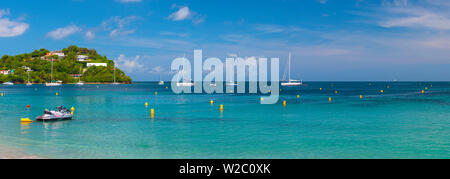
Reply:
x=13, y=153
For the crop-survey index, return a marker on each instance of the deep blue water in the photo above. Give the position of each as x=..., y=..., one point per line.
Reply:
x=113, y=122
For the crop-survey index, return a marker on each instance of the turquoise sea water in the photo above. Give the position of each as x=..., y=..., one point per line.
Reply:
x=113, y=122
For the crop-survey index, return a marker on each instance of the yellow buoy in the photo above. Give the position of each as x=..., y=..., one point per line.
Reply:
x=284, y=103
x=382, y=91
x=426, y=88
x=146, y=104
x=57, y=94
x=2, y=94
x=336, y=92
x=360, y=96
x=221, y=108
x=262, y=99
x=212, y=102
x=329, y=99
x=298, y=96
x=423, y=91
x=26, y=120
x=320, y=89
x=270, y=91
x=156, y=93
x=167, y=87
x=431, y=86
x=152, y=113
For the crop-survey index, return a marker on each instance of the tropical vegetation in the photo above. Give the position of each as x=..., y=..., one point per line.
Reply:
x=38, y=65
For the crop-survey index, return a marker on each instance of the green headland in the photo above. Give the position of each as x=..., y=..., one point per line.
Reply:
x=69, y=65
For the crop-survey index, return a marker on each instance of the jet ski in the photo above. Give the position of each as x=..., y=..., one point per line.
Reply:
x=60, y=113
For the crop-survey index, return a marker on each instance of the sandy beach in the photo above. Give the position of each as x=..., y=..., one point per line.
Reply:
x=13, y=153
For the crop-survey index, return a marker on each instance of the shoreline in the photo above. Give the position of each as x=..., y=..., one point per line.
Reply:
x=86, y=83
x=7, y=152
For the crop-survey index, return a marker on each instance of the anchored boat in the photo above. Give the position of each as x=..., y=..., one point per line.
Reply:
x=8, y=83
x=291, y=82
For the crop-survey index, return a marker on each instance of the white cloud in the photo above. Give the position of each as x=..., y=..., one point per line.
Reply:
x=10, y=28
x=426, y=20
x=117, y=25
x=90, y=35
x=129, y=65
x=182, y=14
x=425, y=14
x=63, y=32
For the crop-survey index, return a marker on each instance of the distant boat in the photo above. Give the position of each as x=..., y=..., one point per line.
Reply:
x=28, y=80
x=52, y=83
x=161, y=82
x=114, y=77
x=291, y=82
x=213, y=84
x=8, y=83
x=185, y=84
x=231, y=83
x=80, y=83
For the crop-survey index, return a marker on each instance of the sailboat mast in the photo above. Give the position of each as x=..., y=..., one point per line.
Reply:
x=81, y=72
x=289, y=66
x=114, y=75
x=51, y=75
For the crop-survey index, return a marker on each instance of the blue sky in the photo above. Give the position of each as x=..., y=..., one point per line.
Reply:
x=329, y=39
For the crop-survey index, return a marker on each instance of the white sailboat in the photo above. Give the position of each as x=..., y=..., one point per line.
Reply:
x=291, y=82
x=28, y=80
x=51, y=80
x=80, y=83
x=114, y=76
x=161, y=82
x=8, y=83
x=184, y=83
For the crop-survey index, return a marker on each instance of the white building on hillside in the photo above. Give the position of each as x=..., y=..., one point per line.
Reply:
x=82, y=58
x=97, y=64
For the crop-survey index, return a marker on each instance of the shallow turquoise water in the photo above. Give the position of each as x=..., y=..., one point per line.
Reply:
x=112, y=122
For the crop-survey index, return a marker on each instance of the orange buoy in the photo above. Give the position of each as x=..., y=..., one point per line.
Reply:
x=284, y=103
x=320, y=89
x=221, y=108
x=423, y=91
x=360, y=96
x=298, y=96
x=329, y=99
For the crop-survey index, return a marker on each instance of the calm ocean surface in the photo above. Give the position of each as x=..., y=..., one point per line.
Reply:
x=113, y=122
